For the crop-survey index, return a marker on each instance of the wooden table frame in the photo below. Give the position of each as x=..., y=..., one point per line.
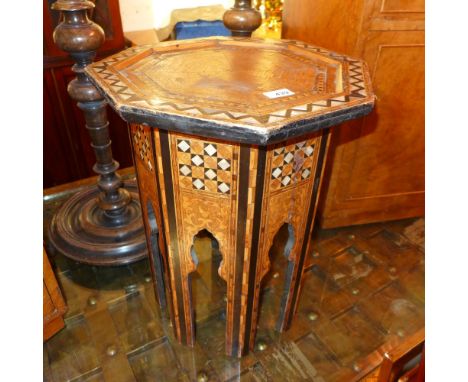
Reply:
x=239, y=173
x=244, y=221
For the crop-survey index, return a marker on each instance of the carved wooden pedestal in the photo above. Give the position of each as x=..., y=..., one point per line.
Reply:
x=230, y=135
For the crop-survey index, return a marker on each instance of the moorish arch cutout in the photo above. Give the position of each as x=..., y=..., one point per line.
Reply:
x=211, y=279
x=288, y=247
x=155, y=254
x=279, y=257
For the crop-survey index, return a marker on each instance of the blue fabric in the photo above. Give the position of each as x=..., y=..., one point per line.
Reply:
x=193, y=29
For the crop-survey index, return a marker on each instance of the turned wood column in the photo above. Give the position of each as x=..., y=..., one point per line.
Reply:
x=80, y=37
x=101, y=225
x=242, y=19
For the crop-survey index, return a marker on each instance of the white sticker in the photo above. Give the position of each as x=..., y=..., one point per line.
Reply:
x=278, y=93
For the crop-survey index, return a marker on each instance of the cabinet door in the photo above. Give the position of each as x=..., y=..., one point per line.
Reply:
x=375, y=169
x=377, y=172
x=332, y=24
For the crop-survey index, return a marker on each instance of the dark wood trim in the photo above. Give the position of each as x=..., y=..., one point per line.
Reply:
x=162, y=230
x=169, y=192
x=244, y=162
x=259, y=189
x=211, y=129
x=308, y=231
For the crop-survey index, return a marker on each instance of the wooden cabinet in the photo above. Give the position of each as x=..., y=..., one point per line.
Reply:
x=53, y=304
x=68, y=155
x=376, y=164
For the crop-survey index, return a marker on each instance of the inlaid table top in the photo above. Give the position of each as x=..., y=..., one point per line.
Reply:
x=244, y=90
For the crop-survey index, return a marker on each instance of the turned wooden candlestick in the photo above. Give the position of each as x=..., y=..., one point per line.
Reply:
x=102, y=225
x=242, y=19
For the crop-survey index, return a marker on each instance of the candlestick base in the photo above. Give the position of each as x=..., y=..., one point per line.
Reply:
x=83, y=232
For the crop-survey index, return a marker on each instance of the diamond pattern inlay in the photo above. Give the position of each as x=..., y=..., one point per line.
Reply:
x=185, y=170
x=223, y=187
x=305, y=173
x=197, y=160
x=141, y=142
x=292, y=164
x=277, y=172
x=210, y=174
x=286, y=180
x=204, y=166
x=288, y=157
x=210, y=149
x=183, y=145
x=224, y=164
x=309, y=151
x=199, y=184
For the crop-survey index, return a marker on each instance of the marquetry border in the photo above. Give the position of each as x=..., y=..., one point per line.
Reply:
x=125, y=97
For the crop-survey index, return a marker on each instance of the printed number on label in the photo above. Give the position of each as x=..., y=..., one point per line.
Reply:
x=278, y=93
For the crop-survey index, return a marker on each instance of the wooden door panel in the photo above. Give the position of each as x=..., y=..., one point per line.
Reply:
x=378, y=170
x=394, y=133
x=375, y=169
x=399, y=6
x=323, y=22
x=403, y=15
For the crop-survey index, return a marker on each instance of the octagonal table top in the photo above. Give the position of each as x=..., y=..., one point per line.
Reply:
x=237, y=89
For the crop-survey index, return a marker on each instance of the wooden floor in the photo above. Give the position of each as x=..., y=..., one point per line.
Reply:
x=363, y=294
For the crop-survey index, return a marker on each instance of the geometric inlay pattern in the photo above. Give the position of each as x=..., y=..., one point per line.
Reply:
x=142, y=143
x=292, y=164
x=134, y=86
x=204, y=166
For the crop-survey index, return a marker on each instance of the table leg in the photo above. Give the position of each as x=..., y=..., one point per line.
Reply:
x=144, y=162
x=291, y=181
x=242, y=195
x=198, y=186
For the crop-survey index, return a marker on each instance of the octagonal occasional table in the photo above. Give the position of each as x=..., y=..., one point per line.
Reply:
x=230, y=135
